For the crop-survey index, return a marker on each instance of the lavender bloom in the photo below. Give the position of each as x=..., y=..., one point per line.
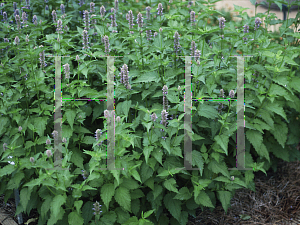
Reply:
x=197, y=55
x=140, y=20
x=113, y=19
x=84, y=174
x=54, y=16
x=193, y=20
x=222, y=22
x=246, y=30
x=160, y=30
x=49, y=153
x=102, y=11
x=97, y=208
x=46, y=7
x=86, y=20
x=153, y=117
x=94, y=22
x=106, y=44
x=149, y=34
x=4, y=16
x=118, y=119
x=77, y=58
x=20, y=128
x=160, y=9
x=55, y=134
x=231, y=94
x=92, y=7
x=155, y=33
x=106, y=113
x=193, y=48
x=165, y=100
x=62, y=8
x=81, y=2
x=67, y=70
x=17, y=18
x=85, y=37
x=117, y=5
x=15, y=6
x=129, y=17
x=17, y=40
x=176, y=42
x=42, y=59
x=31, y=159
x=64, y=140
x=16, y=12
x=34, y=19
x=98, y=133
x=24, y=18
x=164, y=118
x=4, y=147
x=257, y=22
x=124, y=76
x=59, y=27
x=48, y=142
x=27, y=38
x=148, y=8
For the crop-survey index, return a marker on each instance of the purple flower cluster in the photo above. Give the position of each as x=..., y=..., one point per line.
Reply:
x=54, y=16
x=192, y=19
x=4, y=16
x=176, y=42
x=148, y=34
x=49, y=153
x=86, y=19
x=17, y=40
x=222, y=22
x=62, y=8
x=84, y=174
x=124, y=76
x=67, y=70
x=98, y=133
x=85, y=38
x=97, y=208
x=102, y=11
x=221, y=106
x=257, y=23
x=92, y=7
x=24, y=18
x=160, y=9
x=34, y=20
x=105, y=40
x=246, y=30
x=59, y=27
x=113, y=19
x=153, y=117
x=165, y=100
x=139, y=20
x=17, y=18
x=116, y=5
x=42, y=60
x=148, y=8
x=129, y=17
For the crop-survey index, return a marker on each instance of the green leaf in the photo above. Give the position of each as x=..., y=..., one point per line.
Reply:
x=147, y=151
x=70, y=115
x=147, y=77
x=107, y=191
x=280, y=132
x=207, y=111
x=197, y=160
x=276, y=108
x=218, y=168
x=224, y=197
x=148, y=213
x=295, y=83
x=56, y=204
x=183, y=194
x=256, y=139
x=125, y=107
x=40, y=125
x=75, y=218
x=170, y=185
x=122, y=196
x=223, y=140
x=173, y=205
x=203, y=199
x=88, y=140
x=14, y=182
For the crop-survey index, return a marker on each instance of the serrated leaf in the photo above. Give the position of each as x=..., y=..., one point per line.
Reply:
x=224, y=197
x=56, y=204
x=147, y=77
x=122, y=196
x=70, y=115
x=107, y=191
x=223, y=140
x=203, y=199
x=173, y=205
x=170, y=185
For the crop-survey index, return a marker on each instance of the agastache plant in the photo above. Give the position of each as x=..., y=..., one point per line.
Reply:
x=106, y=44
x=221, y=106
x=148, y=8
x=85, y=38
x=34, y=20
x=16, y=12
x=160, y=9
x=124, y=76
x=98, y=133
x=86, y=20
x=246, y=30
x=59, y=27
x=24, y=18
x=17, y=18
x=192, y=18
x=92, y=7
x=54, y=16
x=257, y=23
x=129, y=17
x=67, y=70
x=62, y=8
x=165, y=100
x=139, y=20
x=113, y=20
x=102, y=11
x=116, y=5
x=4, y=16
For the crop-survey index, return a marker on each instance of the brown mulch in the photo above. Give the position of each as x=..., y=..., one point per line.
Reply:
x=276, y=201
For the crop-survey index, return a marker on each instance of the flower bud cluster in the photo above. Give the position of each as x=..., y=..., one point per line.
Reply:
x=54, y=16
x=105, y=40
x=42, y=60
x=113, y=19
x=86, y=20
x=124, y=76
x=129, y=17
x=85, y=38
x=67, y=71
x=116, y=5
x=17, y=40
x=49, y=153
x=222, y=22
x=55, y=135
x=17, y=18
x=148, y=8
x=4, y=16
x=257, y=23
x=165, y=100
x=139, y=20
x=221, y=106
x=59, y=27
x=97, y=208
x=176, y=42
x=92, y=7
x=192, y=19
x=148, y=34
x=34, y=20
x=62, y=8
x=16, y=12
x=98, y=133
x=84, y=174
x=160, y=9
x=153, y=117
x=102, y=11
x=246, y=30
